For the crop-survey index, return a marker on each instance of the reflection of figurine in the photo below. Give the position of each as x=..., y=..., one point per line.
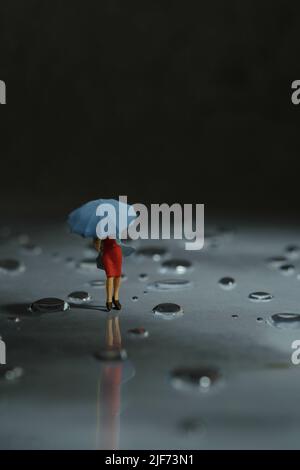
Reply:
x=109, y=395
x=111, y=256
x=114, y=373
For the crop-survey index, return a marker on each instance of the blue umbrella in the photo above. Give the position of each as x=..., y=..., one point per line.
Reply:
x=101, y=218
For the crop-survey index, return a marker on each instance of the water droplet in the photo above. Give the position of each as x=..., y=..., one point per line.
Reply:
x=111, y=355
x=138, y=333
x=155, y=253
x=293, y=251
x=178, y=266
x=11, y=373
x=276, y=261
x=49, y=305
x=287, y=269
x=55, y=256
x=31, y=249
x=134, y=298
x=169, y=284
x=88, y=264
x=192, y=426
x=97, y=284
x=285, y=320
x=79, y=297
x=143, y=277
x=227, y=283
x=168, y=311
x=195, y=379
x=260, y=297
x=235, y=316
x=11, y=266
x=14, y=319
x=124, y=277
x=260, y=319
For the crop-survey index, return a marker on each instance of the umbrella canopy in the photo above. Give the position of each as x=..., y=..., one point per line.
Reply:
x=101, y=218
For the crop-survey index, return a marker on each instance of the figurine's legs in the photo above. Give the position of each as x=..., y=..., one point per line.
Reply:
x=117, y=282
x=109, y=289
x=109, y=339
x=117, y=335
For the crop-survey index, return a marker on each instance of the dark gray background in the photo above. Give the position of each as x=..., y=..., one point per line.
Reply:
x=160, y=100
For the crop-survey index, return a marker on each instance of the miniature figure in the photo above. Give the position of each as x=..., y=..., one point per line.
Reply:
x=111, y=257
x=106, y=220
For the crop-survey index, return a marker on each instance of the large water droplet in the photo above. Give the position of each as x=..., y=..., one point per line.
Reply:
x=178, y=266
x=143, y=277
x=293, y=251
x=135, y=298
x=227, y=283
x=285, y=320
x=287, y=269
x=169, y=284
x=155, y=253
x=11, y=266
x=168, y=311
x=195, y=379
x=31, y=249
x=276, y=261
x=260, y=297
x=138, y=333
x=49, y=305
x=111, y=355
x=97, y=284
x=79, y=297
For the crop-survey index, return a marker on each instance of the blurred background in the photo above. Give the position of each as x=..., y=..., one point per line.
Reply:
x=161, y=101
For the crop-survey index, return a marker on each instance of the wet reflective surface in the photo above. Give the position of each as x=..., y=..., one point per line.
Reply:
x=219, y=376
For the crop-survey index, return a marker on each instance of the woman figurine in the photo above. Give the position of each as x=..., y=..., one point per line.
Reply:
x=111, y=254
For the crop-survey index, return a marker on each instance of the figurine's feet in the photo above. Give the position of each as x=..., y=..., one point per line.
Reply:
x=108, y=306
x=117, y=304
